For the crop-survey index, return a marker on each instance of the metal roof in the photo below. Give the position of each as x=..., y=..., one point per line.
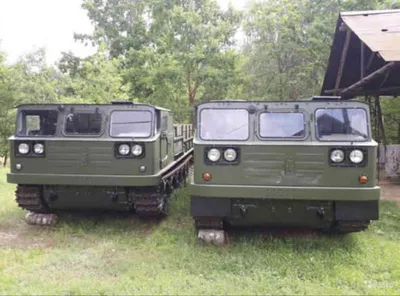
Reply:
x=374, y=38
x=379, y=30
x=40, y=105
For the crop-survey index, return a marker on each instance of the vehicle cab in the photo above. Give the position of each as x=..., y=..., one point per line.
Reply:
x=299, y=163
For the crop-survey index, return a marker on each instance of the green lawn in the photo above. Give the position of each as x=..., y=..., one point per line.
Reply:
x=106, y=253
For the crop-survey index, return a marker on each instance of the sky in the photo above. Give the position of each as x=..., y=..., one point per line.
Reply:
x=26, y=25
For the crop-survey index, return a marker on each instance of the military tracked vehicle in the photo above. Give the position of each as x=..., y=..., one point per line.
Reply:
x=304, y=164
x=121, y=156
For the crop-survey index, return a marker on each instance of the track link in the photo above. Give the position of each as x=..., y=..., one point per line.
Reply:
x=30, y=198
x=153, y=202
x=150, y=204
x=41, y=219
x=210, y=230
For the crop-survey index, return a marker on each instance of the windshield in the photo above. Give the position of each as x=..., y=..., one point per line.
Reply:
x=83, y=123
x=342, y=124
x=131, y=124
x=37, y=123
x=282, y=125
x=224, y=124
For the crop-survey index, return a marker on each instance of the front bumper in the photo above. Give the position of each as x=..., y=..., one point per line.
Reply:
x=286, y=192
x=83, y=180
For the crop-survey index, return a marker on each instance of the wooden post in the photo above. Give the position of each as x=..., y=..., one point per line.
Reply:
x=343, y=59
x=369, y=78
x=377, y=135
x=380, y=121
x=362, y=69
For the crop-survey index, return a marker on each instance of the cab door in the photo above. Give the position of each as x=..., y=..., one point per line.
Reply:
x=164, y=142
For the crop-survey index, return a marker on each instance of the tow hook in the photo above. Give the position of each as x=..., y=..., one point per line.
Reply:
x=243, y=210
x=113, y=196
x=321, y=212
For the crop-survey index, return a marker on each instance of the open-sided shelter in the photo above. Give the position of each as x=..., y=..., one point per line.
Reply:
x=365, y=55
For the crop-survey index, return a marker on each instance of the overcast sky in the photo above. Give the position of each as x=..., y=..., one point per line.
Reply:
x=26, y=25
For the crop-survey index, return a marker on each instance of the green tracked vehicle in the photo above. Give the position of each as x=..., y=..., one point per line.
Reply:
x=304, y=164
x=121, y=156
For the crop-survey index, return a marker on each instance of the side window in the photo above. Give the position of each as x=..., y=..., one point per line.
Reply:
x=32, y=124
x=83, y=123
x=37, y=123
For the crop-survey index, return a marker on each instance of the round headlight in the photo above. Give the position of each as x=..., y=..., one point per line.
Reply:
x=124, y=149
x=230, y=154
x=23, y=148
x=38, y=148
x=214, y=155
x=356, y=156
x=137, y=150
x=337, y=156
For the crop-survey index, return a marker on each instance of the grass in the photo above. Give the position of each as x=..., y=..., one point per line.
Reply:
x=111, y=254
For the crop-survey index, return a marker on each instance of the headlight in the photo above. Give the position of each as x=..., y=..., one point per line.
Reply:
x=337, y=156
x=356, y=156
x=137, y=150
x=214, y=155
x=230, y=155
x=23, y=148
x=124, y=149
x=38, y=148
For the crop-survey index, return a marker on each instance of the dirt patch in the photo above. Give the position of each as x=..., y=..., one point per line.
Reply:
x=390, y=191
x=16, y=239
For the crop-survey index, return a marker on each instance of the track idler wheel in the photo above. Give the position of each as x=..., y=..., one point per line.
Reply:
x=38, y=219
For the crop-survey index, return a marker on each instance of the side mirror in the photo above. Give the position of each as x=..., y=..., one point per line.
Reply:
x=164, y=135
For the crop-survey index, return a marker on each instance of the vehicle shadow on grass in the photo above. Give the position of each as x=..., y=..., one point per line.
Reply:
x=109, y=221
x=301, y=239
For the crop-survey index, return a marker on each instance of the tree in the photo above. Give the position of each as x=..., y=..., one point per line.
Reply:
x=96, y=79
x=6, y=113
x=391, y=116
x=169, y=50
x=288, y=44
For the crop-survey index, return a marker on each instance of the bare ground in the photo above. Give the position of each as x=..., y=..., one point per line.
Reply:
x=390, y=189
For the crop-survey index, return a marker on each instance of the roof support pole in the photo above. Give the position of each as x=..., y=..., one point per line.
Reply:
x=343, y=59
x=371, y=58
x=377, y=133
x=369, y=78
x=362, y=56
x=380, y=121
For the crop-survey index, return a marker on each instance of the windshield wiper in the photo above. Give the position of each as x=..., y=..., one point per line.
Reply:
x=354, y=131
x=298, y=134
x=234, y=130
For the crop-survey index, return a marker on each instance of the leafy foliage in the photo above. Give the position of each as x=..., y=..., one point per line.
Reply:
x=170, y=49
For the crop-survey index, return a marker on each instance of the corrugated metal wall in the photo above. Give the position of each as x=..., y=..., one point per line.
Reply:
x=390, y=159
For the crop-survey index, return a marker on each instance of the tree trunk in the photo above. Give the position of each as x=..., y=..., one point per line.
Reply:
x=5, y=160
x=380, y=121
x=398, y=133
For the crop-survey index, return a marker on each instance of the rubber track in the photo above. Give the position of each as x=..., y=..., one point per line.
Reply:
x=30, y=198
x=153, y=203
x=149, y=204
